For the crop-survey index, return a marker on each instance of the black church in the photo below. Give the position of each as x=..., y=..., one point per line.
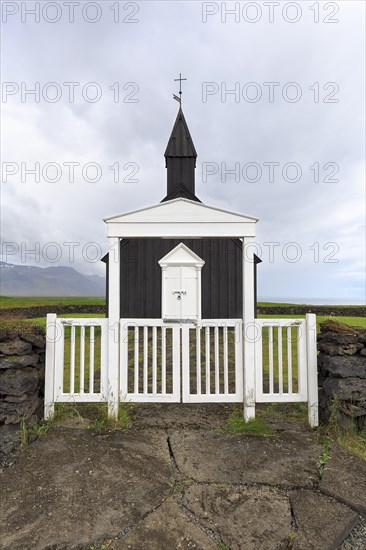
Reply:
x=222, y=258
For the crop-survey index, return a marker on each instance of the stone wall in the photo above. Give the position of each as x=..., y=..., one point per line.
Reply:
x=342, y=373
x=22, y=365
x=294, y=310
x=41, y=311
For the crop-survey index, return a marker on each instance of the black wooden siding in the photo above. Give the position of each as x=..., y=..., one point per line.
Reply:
x=141, y=276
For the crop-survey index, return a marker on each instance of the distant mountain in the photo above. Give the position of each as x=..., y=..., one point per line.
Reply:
x=25, y=280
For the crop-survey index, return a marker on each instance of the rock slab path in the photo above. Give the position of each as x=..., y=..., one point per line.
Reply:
x=171, y=483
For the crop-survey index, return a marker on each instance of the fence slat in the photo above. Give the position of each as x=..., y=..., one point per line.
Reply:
x=82, y=358
x=163, y=360
x=72, y=359
x=270, y=357
x=297, y=336
x=185, y=370
x=176, y=335
x=146, y=347
x=226, y=359
x=91, y=362
x=217, y=361
x=136, y=344
x=198, y=359
x=154, y=360
x=207, y=342
x=280, y=362
x=289, y=359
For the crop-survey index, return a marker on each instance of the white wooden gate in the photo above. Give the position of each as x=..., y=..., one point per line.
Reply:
x=149, y=361
x=172, y=362
x=212, y=364
x=76, y=361
x=286, y=362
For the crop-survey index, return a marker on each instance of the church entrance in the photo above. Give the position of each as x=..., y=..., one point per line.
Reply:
x=181, y=285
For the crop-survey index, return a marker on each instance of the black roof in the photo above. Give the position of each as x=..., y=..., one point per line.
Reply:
x=180, y=143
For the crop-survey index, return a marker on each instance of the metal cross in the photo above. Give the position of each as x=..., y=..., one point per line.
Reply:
x=180, y=79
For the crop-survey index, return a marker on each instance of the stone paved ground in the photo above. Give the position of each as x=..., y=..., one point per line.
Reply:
x=177, y=480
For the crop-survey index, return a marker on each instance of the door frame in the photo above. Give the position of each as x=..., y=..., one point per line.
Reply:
x=180, y=256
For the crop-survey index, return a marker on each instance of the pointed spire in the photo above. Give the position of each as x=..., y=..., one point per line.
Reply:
x=180, y=160
x=180, y=143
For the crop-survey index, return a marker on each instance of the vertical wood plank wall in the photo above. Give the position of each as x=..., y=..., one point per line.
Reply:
x=141, y=276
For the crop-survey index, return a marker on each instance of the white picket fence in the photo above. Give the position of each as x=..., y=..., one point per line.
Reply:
x=162, y=362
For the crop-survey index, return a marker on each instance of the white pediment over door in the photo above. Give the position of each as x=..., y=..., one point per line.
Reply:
x=181, y=255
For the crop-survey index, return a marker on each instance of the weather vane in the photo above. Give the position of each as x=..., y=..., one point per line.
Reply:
x=180, y=79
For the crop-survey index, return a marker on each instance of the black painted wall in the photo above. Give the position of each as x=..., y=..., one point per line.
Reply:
x=221, y=276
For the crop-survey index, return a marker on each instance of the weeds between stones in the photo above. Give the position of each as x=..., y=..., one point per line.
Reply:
x=324, y=456
x=26, y=432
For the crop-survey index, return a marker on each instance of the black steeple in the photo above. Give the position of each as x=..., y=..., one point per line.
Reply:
x=180, y=161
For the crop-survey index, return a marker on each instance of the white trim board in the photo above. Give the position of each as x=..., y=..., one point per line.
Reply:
x=181, y=218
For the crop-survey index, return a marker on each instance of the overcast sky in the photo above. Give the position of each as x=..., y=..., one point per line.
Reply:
x=291, y=133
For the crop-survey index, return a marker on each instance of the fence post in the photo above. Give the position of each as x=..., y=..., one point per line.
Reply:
x=312, y=369
x=248, y=329
x=113, y=326
x=49, y=389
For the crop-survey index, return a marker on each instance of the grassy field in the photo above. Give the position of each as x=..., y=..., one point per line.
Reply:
x=7, y=302
x=353, y=321
x=275, y=304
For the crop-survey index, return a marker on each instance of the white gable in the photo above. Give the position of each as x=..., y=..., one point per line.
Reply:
x=181, y=255
x=181, y=218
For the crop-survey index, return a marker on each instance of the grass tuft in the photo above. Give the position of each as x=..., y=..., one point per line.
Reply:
x=256, y=426
x=36, y=429
x=349, y=438
x=324, y=456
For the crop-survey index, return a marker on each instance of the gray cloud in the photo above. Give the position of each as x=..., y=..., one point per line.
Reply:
x=170, y=37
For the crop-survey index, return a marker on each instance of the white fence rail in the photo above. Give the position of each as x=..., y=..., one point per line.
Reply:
x=172, y=362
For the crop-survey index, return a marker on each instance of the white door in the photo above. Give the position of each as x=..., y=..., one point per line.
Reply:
x=181, y=290
x=189, y=301
x=173, y=298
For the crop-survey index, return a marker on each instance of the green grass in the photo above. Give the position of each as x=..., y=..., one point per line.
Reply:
x=41, y=321
x=237, y=424
x=274, y=304
x=282, y=411
x=351, y=439
x=352, y=321
x=97, y=413
x=27, y=431
x=8, y=302
x=324, y=457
